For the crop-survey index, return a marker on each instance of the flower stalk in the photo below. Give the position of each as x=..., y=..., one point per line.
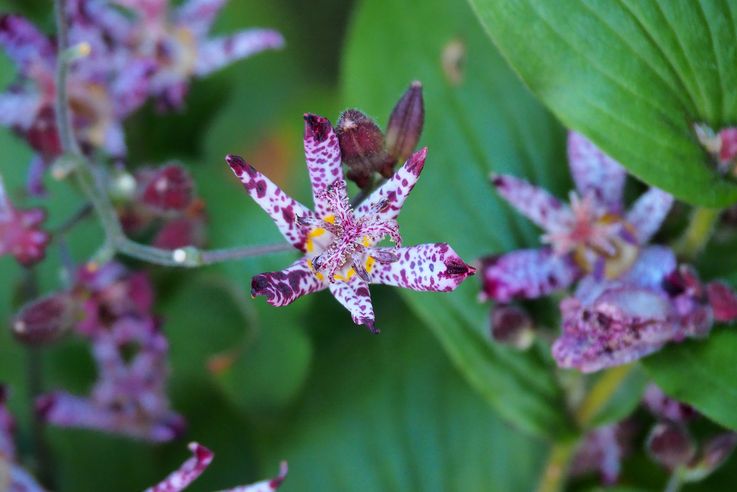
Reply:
x=697, y=234
x=116, y=242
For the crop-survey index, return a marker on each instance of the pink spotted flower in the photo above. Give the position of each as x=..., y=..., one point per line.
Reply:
x=341, y=245
x=201, y=458
x=20, y=231
x=177, y=40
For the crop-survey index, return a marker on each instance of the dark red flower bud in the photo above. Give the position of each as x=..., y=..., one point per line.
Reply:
x=169, y=189
x=722, y=300
x=405, y=124
x=512, y=326
x=361, y=146
x=44, y=320
x=670, y=445
x=717, y=450
x=728, y=147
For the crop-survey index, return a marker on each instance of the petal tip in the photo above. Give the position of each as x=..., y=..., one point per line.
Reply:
x=237, y=164
x=317, y=127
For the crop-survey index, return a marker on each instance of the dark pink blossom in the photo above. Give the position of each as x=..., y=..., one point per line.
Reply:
x=602, y=451
x=20, y=231
x=201, y=458
x=340, y=243
x=168, y=188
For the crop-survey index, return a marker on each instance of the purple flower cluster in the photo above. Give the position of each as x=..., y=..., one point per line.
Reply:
x=13, y=477
x=20, y=231
x=631, y=298
x=130, y=352
x=126, y=51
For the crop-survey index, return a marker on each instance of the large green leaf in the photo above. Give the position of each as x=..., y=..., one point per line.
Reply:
x=485, y=121
x=633, y=76
x=390, y=413
x=701, y=373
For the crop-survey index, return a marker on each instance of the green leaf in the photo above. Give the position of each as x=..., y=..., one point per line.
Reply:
x=486, y=121
x=624, y=400
x=701, y=373
x=390, y=413
x=633, y=76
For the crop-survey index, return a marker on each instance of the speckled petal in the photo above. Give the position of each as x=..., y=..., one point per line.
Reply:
x=190, y=470
x=266, y=485
x=149, y=10
x=595, y=173
x=322, y=153
x=354, y=295
x=396, y=190
x=526, y=274
x=651, y=267
x=18, y=109
x=131, y=88
x=622, y=325
x=535, y=203
x=648, y=213
x=215, y=54
x=25, y=44
x=282, y=208
x=426, y=267
x=198, y=15
x=66, y=410
x=288, y=285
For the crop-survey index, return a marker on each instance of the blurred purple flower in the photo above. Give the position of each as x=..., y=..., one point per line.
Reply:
x=20, y=231
x=177, y=40
x=666, y=408
x=194, y=467
x=130, y=351
x=13, y=478
x=339, y=244
x=602, y=451
x=593, y=235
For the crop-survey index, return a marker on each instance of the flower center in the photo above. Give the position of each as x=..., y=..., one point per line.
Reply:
x=602, y=242
x=340, y=244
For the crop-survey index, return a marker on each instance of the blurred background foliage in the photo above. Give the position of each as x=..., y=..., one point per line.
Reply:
x=430, y=404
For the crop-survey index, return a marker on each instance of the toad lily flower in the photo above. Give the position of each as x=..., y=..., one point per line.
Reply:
x=592, y=235
x=20, y=231
x=341, y=245
x=177, y=39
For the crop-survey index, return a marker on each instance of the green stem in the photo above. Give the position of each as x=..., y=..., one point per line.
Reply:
x=115, y=238
x=698, y=233
x=553, y=478
x=674, y=482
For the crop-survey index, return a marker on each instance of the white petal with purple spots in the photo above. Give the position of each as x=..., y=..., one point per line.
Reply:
x=354, y=295
x=648, y=213
x=595, y=173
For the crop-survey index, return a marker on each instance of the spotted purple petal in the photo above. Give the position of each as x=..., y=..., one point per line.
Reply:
x=26, y=45
x=354, y=295
x=595, y=173
x=622, y=325
x=648, y=213
x=265, y=485
x=286, y=286
x=146, y=9
x=214, y=54
x=425, y=267
x=198, y=15
x=131, y=88
x=188, y=472
x=322, y=153
x=526, y=274
x=18, y=109
x=282, y=208
x=533, y=202
x=392, y=194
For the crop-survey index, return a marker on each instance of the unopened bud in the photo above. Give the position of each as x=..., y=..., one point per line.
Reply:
x=670, y=445
x=715, y=452
x=722, y=300
x=361, y=146
x=44, y=320
x=169, y=188
x=121, y=186
x=405, y=124
x=512, y=326
x=707, y=138
x=728, y=145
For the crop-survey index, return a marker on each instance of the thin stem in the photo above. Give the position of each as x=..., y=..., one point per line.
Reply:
x=82, y=213
x=601, y=393
x=674, y=482
x=115, y=238
x=698, y=233
x=553, y=477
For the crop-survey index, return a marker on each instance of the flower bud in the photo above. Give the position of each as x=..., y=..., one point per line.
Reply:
x=670, y=445
x=405, y=124
x=728, y=147
x=715, y=452
x=44, y=320
x=169, y=188
x=722, y=300
x=512, y=326
x=361, y=146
